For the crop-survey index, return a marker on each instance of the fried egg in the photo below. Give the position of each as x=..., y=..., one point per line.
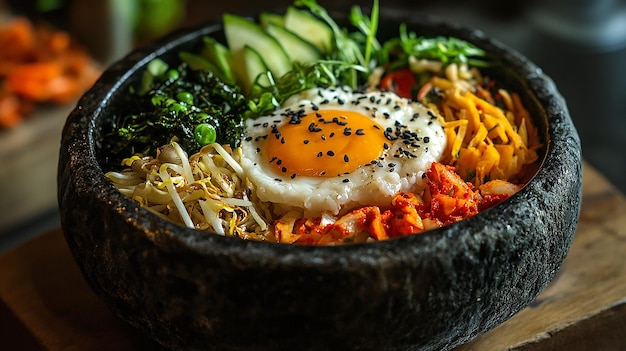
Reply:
x=331, y=150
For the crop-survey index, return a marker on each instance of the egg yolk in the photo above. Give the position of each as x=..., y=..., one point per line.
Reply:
x=325, y=143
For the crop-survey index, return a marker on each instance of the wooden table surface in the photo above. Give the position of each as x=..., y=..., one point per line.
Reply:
x=46, y=305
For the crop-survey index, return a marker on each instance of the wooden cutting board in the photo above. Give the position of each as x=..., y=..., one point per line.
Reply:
x=46, y=305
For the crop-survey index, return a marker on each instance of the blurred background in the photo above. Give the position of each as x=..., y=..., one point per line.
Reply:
x=581, y=44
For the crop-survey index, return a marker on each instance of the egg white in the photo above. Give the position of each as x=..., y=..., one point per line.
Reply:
x=415, y=139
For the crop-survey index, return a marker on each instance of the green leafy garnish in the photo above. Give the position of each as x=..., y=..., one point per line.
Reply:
x=368, y=26
x=444, y=49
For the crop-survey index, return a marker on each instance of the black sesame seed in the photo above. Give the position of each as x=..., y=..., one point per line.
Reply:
x=389, y=134
x=346, y=158
x=249, y=138
x=360, y=132
x=305, y=141
x=426, y=139
x=313, y=128
x=293, y=176
x=284, y=169
x=346, y=180
x=320, y=154
x=330, y=153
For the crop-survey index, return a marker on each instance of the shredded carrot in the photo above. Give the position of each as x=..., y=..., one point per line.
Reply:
x=39, y=64
x=488, y=141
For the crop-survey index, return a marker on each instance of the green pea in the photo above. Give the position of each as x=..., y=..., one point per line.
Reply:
x=173, y=74
x=205, y=134
x=185, y=96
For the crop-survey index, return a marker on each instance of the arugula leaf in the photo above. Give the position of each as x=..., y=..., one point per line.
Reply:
x=444, y=49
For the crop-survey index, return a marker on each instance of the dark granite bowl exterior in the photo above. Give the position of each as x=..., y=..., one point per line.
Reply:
x=199, y=291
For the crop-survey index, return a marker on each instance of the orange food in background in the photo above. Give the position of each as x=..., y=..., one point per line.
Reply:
x=39, y=64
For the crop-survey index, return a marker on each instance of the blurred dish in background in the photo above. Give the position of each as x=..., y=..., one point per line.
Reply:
x=48, y=61
x=39, y=65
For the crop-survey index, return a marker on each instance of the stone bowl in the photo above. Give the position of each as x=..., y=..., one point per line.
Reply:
x=192, y=290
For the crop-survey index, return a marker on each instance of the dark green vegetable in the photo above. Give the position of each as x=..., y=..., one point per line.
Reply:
x=192, y=107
